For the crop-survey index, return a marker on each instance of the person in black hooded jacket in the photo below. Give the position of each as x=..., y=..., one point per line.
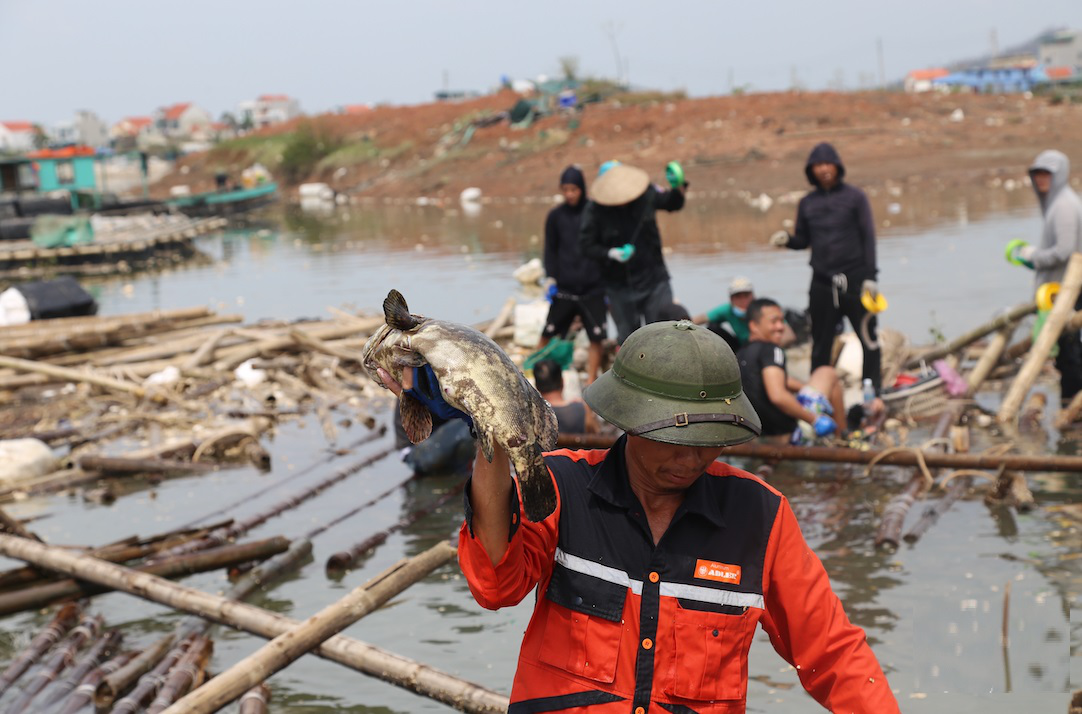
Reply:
x=835, y=221
x=579, y=290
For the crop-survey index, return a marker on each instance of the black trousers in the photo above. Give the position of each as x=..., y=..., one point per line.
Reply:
x=1069, y=361
x=824, y=322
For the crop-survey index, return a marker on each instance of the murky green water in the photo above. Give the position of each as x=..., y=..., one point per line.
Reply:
x=933, y=610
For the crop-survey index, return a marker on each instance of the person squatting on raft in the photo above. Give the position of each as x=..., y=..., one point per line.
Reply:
x=619, y=228
x=660, y=561
x=576, y=289
x=1061, y=236
x=835, y=221
x=730, y=320
x=785, y=404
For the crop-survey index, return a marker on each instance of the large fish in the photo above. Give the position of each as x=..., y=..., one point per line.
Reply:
x=477, y=377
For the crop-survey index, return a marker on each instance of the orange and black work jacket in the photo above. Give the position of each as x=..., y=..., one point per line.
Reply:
x=624, y=625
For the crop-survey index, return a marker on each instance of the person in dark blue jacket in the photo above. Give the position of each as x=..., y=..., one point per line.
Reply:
x=577, y=288
x=835, y=221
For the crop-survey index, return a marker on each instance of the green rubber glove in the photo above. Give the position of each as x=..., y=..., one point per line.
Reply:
x=1015, y=249
x=675, y=174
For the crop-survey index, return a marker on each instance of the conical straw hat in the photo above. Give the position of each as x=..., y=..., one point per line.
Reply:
x=619, y=185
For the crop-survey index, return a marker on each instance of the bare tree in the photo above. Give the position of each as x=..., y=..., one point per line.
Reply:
x=569, y=66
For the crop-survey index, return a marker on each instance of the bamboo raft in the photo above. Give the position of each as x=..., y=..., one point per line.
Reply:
x=82, y=384
x=119, y=246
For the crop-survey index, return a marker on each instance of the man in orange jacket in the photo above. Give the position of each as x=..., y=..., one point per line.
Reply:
x=659, y=561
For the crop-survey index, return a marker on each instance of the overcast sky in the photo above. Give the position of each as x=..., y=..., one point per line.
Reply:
x=128, y=57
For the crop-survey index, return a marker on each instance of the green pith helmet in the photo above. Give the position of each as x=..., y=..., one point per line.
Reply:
x=678, y=383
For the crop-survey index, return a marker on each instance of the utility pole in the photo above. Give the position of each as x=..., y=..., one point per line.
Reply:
x=993, y=42
x=882, y=69
x=611, y=30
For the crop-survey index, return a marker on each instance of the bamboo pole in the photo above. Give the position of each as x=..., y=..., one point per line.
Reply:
x=128, y=465
x=232, y=357
x=83, y=695
x=89, y=661
x=188, y=564
x=1062, y=309
x=74, y=375
x=400, y=671
x=117, y=682
x=63, y=621
x=1003, y=321
x=240, y=527
x=148, y=684
x=893, y=518
x=185, y=676
x=348, y=558
x=1023, y=345
x=367, y=438
x=502, y=318
x=61, y=658
x=256, y=700
x=287, y=647
x=1070, y=413
x=987, y=361
x=845, y=455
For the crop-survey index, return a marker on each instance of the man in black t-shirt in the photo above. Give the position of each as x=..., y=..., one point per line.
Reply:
x=780, y=400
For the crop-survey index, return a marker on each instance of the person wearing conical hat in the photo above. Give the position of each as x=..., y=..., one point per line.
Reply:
x=619, y=229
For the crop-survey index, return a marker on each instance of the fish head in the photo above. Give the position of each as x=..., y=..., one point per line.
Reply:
x=389, y=347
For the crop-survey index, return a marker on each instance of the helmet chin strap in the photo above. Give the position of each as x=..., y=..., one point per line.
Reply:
x=684, y=419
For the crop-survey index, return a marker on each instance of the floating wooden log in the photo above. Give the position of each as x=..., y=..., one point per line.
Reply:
x=890, y=523
x=346, y=559
x=256, y=700
x=1062, y=309
x=400, y=671
x=1005, y=320
x=14, y=527
x=187, y=675
x=187, y=564
x=287, y=647
x=63, y=621
x=83, y=695
x=955, y=490
x=838, y=454
x=60, y=659
x=103, y=648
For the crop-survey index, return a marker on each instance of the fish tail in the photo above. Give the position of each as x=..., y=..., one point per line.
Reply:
x=397, y=313
x=538, y=490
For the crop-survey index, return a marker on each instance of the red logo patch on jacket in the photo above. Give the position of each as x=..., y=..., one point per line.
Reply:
x=719, y=572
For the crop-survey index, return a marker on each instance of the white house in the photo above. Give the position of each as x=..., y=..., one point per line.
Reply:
x=86, y=128
x=267, y=109
x=17, y=137
x=183, y=121
x=1063, y=49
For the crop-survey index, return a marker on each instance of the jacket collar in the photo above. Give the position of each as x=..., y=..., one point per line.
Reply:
x=610, y=483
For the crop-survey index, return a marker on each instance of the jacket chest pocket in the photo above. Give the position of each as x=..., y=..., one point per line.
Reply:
x=583, y=632
x=711, y=654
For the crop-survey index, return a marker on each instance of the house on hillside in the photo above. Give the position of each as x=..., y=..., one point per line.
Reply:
x=920, y=80
x=131, y=127
x=1063, y=49
x=86, y=128
x=354, y=109
x=183, y=121
x=267, y=109
x=17, y=137
x=993, y=80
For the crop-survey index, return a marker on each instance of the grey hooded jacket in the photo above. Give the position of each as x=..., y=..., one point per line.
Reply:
x=1062, y=209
